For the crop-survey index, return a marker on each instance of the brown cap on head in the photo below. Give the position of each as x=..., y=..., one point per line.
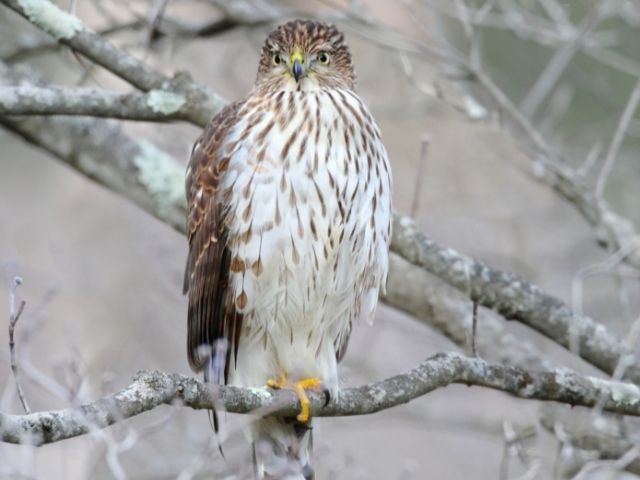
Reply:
x=305, y=47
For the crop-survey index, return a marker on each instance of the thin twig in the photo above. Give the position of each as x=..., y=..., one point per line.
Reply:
x=616, y=143
x=14, y=316
x=419, y=175
x=474, y=328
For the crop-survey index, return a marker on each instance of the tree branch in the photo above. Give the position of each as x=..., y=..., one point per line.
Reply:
x=514, y=298
x=156, y=105
x=69, y=30
x=14, y=315
x=153, y=388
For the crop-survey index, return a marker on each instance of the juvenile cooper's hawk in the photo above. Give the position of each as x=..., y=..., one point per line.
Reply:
x=289, y=195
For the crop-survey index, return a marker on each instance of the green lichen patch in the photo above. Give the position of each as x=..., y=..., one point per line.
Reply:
x=165, y=102
x=161, y=176
x=261, y=392
x=621, y=393
x=60, y=24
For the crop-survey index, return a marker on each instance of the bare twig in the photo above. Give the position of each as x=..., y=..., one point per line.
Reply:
x=616, y=143
x=419, y=175
x=559, y=62
x=606, y=439
x=14, y=316
x=153, y=388
x=155, y=16
x=474, y=329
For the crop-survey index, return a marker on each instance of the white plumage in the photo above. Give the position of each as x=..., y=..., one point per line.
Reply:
x=289, y=226
x=312, y=236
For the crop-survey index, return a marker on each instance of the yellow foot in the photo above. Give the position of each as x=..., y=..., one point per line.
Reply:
x=299, y=388
x=278, y=383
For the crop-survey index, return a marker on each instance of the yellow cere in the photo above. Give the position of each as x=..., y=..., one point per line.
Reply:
x=297, y=55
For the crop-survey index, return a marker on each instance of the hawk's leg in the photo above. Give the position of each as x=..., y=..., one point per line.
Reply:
x=299, y=388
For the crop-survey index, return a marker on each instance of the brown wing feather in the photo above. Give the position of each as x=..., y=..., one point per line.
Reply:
x=212, y=315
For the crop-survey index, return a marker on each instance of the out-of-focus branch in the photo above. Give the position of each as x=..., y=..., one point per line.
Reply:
x=618, y=137
x=151, y=389
x=156, y=105
x=612, y=230
x=103, y=152
x=513, y=297
x=69, y=30
x=605, y=437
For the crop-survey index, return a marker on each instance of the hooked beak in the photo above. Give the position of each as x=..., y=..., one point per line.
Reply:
x=297, y=64
x=297, y=70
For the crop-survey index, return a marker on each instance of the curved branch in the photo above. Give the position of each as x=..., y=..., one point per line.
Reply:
x=151, y=389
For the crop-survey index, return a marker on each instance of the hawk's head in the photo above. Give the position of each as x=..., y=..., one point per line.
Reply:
x=305, y=55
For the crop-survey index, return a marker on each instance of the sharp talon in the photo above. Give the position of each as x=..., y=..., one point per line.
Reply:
x=327, y=397
x=278, y=383
x=299, y=388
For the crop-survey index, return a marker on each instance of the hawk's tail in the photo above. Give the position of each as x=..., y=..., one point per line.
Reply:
x=282, y=449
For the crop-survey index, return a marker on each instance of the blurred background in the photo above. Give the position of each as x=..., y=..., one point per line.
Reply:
x=102, y=279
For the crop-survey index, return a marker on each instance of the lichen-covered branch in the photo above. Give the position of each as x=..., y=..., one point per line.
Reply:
x=100, y=150
x=69, y=30
x=514, y=298
x=153, y=388
x=434, y=302
x=156, y=105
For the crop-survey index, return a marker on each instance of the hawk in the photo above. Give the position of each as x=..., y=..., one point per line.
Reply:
x=289, y=207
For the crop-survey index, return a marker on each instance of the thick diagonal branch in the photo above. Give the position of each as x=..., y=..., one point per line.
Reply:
x=514, y=298
x=153, y=388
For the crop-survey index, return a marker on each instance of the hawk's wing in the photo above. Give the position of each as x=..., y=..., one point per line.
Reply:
x=212, y=316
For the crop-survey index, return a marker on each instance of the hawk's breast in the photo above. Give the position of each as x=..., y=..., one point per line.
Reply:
x=307, y=198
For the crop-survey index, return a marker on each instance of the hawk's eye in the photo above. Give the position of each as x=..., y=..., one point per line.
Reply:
x=276, y=59
x=323, y=58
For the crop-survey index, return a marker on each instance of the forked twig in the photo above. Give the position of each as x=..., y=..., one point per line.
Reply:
x=14, y=316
